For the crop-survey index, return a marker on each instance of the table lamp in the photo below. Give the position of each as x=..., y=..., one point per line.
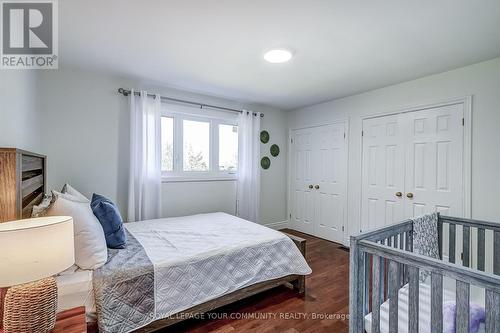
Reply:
x=31, y=252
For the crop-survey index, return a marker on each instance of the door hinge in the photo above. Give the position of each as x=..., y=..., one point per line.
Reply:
x=344, y=135
x=463, y=121
x=291, y=140
x=362, y=133
x=342, y=228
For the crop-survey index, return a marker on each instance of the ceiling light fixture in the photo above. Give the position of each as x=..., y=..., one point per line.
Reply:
x=278, y=56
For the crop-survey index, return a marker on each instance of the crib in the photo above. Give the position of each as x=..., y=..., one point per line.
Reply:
x=384, y=269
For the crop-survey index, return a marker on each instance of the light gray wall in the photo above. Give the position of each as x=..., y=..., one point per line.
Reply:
x=274, y=180
x=482, y=81
x=86, y=138
x=19, y=112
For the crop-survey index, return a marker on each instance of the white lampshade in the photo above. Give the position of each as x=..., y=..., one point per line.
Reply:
x=34, y=249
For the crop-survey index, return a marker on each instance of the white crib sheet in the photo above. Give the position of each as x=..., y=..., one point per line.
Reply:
x=477, y=296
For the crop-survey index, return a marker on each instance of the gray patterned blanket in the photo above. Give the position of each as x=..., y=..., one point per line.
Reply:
x=124, y=289
x=173, y=264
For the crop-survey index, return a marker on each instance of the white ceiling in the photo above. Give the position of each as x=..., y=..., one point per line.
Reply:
x=215, y=47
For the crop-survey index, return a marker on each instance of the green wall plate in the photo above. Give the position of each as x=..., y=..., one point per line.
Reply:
x=264, y=136
x=265, y=162
x=275, y=150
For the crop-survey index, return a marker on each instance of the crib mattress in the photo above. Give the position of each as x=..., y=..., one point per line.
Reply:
x=424, y=309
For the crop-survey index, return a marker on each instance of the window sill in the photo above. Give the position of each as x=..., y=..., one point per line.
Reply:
x=198, y=179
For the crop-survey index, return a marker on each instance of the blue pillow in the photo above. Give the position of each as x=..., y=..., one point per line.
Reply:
x=112, y=223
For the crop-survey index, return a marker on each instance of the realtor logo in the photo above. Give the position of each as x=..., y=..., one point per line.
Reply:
x=29, y=34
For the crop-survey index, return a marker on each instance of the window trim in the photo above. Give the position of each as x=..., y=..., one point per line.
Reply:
x=214, y=120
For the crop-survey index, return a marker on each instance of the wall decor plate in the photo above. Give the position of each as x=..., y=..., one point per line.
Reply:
x=265, y=162
x=264, y=136
x=275, y=150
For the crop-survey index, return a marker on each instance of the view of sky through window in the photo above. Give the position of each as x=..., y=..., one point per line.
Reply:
x=228, y=147
x=167, y=144
x=196, y=145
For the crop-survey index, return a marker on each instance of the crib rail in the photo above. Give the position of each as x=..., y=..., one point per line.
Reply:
x=481, y=227
x=382, y=261
x=384, y=233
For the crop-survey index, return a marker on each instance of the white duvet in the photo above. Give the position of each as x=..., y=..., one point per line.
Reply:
x=201, y=257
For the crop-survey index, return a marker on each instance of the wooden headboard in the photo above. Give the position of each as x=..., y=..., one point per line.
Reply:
x=22, y=182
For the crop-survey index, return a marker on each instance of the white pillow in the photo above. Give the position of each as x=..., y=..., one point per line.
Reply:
x=41, y=209
x=68, y=189
x=90, y=244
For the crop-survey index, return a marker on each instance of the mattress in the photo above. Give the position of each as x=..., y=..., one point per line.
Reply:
x=201, y=257
x=75, y=289
x=477, y=296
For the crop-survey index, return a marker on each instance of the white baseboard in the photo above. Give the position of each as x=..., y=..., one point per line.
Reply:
x=277, y=225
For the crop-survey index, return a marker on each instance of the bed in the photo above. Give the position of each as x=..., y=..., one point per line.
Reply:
x=176, y=266
x=389, y=294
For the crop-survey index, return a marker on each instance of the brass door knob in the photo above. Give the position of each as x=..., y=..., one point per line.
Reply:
x=409, y=195
x=399, y=194
x=316, y=187
x=310, y=186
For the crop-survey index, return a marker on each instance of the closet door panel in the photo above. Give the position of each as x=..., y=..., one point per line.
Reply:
x=434, y=161
x=382, y=172
x=331, y=181
x=318, y=176
x=301, y=196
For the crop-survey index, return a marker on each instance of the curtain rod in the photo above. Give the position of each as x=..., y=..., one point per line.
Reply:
x=126, y=92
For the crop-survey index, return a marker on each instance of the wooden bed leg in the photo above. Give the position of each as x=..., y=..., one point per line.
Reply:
x=300, y=284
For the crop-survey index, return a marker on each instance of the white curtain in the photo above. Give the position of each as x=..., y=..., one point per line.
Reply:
x=248, y=196
x=145, y=157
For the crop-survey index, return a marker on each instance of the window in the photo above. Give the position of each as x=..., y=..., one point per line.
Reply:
x=228, y=147
x=198, y=147
x=167, y=144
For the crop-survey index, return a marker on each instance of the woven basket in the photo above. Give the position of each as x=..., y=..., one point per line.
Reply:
x=3, y=291
x=31, y=307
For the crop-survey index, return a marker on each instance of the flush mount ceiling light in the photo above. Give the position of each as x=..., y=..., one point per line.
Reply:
x=278, y=56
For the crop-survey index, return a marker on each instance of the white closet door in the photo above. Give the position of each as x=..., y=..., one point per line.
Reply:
x=419, y=154
x=434, y=161
x=331, y=182
x=302, y=189
x=318, y=181
x=382, y=171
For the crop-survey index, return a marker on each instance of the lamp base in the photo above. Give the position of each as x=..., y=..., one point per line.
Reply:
x=31, y=307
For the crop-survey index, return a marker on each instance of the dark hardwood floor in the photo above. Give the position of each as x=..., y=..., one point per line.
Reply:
x=323, y=308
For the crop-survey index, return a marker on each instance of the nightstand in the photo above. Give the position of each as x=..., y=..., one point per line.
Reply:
x=71, y=321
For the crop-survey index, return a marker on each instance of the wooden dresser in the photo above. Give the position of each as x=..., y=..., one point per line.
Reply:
x=22, y=182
